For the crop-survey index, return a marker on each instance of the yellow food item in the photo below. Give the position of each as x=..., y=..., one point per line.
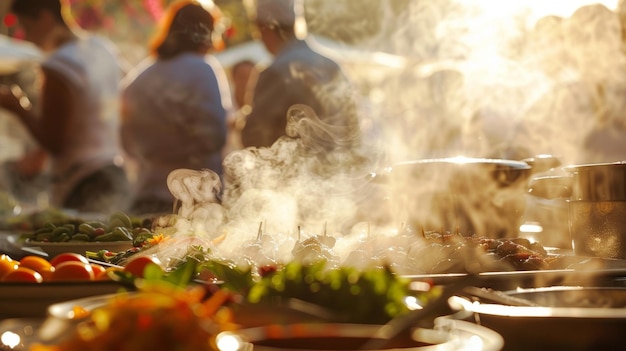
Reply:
x=159, y=317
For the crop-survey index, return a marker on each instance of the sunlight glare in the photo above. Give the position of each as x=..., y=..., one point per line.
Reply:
x=537, y=8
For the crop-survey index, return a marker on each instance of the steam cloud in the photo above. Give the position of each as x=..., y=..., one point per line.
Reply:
x=469, y=84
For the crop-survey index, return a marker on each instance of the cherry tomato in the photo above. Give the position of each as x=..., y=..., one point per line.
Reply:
x=23, y=274
x=7, y=264
x=98, y=271
x=137, y=265
x=68, y=256
x=105, y=275
x=38, y=264
x=72, y=271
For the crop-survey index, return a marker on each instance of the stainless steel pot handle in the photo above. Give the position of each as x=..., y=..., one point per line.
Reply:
x=551, y=187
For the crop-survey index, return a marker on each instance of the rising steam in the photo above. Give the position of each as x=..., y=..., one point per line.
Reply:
x=512, y=86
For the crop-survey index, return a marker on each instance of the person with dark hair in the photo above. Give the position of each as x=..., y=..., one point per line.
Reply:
x=299, y=76
x=174, y=105
x=77, y=119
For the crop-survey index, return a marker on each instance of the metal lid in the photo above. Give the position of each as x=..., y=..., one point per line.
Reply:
x=594, y=166
x=461, y=160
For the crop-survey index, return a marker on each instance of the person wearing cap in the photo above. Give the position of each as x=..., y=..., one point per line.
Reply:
x=76, y=122
x=299, y=82
x=174, y=105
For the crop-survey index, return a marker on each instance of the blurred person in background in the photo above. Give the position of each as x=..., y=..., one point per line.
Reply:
x=242, y=73
x=76, y=122
x=242, y=76
x=23, y=162
x=298, y=75
x=174, y=105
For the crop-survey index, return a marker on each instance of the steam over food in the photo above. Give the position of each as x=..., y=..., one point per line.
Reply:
x=507, y=99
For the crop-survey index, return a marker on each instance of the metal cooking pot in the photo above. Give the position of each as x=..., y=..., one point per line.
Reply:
x=568, y=318
x=595, y=198
x=466, y=195
x=598, y=182
x=597, y=209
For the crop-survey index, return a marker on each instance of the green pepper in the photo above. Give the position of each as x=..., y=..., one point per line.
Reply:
x=117, y=234
x=80, y=237
x=86, y=228
x=120, y=219
x=59, y=231
x=63, y=238
x=97, y=224
x=45, y=229
x=71, y=227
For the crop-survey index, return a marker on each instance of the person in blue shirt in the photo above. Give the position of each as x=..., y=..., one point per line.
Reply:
x=174, y=106
x=300, y=85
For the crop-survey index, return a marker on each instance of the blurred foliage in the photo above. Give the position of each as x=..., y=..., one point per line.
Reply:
x=240, y=29
x=344, y=20
x=130, y=24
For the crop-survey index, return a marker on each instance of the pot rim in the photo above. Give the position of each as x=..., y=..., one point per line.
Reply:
x=462, y=160
x=589, y=166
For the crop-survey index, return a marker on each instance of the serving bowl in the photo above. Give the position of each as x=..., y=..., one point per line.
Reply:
x=572, y=318
x=447, y=334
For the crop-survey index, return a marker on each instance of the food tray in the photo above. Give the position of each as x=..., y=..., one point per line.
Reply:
x=53, y=248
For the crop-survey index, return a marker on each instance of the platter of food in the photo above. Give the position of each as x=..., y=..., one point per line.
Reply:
x=68, y=234
x=178, y=316
x=30, y=284
x=52, y=249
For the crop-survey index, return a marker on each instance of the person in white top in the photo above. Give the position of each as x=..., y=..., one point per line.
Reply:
x=174, y=106
x=78, y=122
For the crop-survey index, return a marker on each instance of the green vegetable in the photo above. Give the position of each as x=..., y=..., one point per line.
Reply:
x=117, y=234
x=120, y=219
x=372, y=296
x=97, y=224
x=59, y=233
x=62, y=238
x=86, y=228
x=80, y=237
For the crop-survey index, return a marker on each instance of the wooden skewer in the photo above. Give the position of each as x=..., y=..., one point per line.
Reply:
x=259, y=234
